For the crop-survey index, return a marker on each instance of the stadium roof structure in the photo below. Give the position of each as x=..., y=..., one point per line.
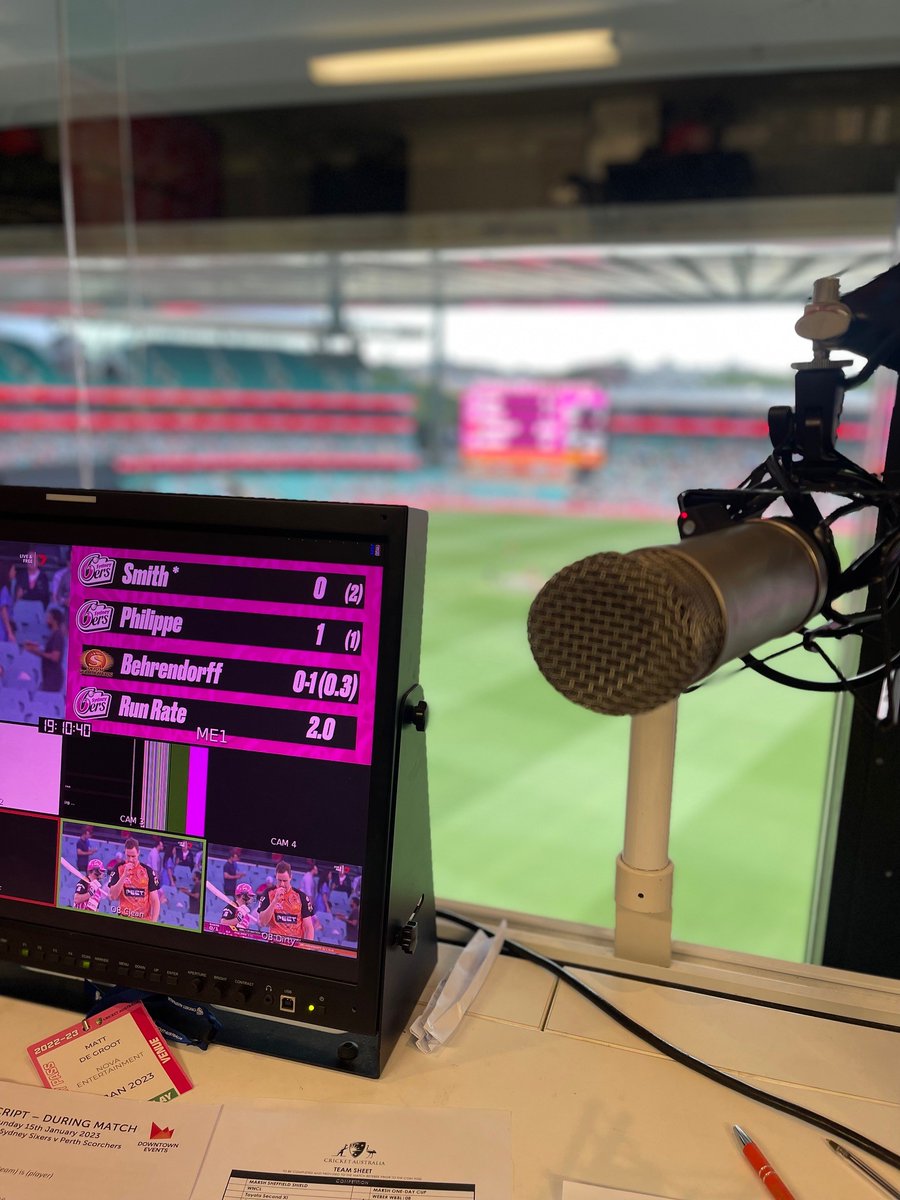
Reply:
x=766, y=251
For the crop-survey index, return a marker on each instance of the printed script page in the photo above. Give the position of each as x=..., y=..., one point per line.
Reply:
x=56, y=1143
x=65, y=1144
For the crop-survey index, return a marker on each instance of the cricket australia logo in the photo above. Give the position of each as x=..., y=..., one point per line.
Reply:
x=94, y=616
x=92, y=704
x=364, y=1151
x=96, y=569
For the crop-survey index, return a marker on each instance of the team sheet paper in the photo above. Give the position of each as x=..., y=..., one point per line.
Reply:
x=589, y=1191
x=56, y=1144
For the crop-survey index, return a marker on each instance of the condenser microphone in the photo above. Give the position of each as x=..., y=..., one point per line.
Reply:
x=625, y=633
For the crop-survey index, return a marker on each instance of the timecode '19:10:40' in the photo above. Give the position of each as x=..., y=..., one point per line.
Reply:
x=67, y=728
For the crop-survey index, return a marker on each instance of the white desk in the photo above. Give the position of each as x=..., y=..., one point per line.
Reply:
x=588, y=1101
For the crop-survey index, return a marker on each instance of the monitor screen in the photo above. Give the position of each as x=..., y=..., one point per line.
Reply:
x=197, y=710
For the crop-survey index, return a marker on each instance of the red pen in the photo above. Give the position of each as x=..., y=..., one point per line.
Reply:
x=761, y=1165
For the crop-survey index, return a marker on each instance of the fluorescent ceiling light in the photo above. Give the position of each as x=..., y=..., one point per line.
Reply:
x=575, y=50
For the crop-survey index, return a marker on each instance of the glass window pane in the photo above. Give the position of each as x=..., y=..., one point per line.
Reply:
x=250, y=307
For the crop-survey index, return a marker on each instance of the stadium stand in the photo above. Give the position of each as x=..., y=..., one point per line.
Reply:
x=29, y=621
x=24, y=671
x=641, y=478
x=159, y=364
x=237, y=420
x=203, y=408
x=20, y=364
x=333, y=929
x=44, y=704
x=12, y=706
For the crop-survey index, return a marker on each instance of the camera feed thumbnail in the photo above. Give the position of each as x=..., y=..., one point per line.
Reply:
x=135, y=874
x=285, y=900
x=35, y=586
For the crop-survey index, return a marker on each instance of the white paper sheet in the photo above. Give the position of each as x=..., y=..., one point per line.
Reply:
x=318, y=1150
x=55, y=1143
x=590, y=1191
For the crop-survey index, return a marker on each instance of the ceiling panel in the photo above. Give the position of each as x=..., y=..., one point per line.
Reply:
x=210, y=54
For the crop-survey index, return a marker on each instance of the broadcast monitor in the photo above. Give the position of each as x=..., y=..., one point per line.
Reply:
x=211, y=764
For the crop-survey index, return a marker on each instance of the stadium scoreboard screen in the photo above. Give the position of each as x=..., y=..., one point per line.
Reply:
x=211, y=775
x=534, y=426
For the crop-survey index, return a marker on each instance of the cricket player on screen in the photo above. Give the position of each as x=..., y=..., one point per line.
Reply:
x=236, y=914
x=133, y=887
x=89, y=890
x=284, y=914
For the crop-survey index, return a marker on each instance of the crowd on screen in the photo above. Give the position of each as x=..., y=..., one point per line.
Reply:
x=35, y=586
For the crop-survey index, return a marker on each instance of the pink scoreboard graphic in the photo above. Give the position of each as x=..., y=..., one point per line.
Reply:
x=525, y=423
x=270, y=655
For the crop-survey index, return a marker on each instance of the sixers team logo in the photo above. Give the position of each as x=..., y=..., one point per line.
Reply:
x=92, y=704
x=94, y=616
x=96, y=569
x=97, y=662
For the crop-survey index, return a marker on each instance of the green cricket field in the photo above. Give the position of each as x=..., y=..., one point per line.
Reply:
x=528, y=790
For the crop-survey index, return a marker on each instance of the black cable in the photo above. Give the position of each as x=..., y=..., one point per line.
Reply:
x=875, y=361
x=517, y=950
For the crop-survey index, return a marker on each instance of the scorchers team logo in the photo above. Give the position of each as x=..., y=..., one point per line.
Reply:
x=92, y=704
x=94, y=616
x=96, y=569
x=97, y=662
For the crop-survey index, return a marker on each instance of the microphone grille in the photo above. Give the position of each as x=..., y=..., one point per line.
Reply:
x=624, y=633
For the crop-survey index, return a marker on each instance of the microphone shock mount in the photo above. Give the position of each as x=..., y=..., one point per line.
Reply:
x=818, y=485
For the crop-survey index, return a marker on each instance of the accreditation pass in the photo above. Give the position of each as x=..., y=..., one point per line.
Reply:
x=119, y=1052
